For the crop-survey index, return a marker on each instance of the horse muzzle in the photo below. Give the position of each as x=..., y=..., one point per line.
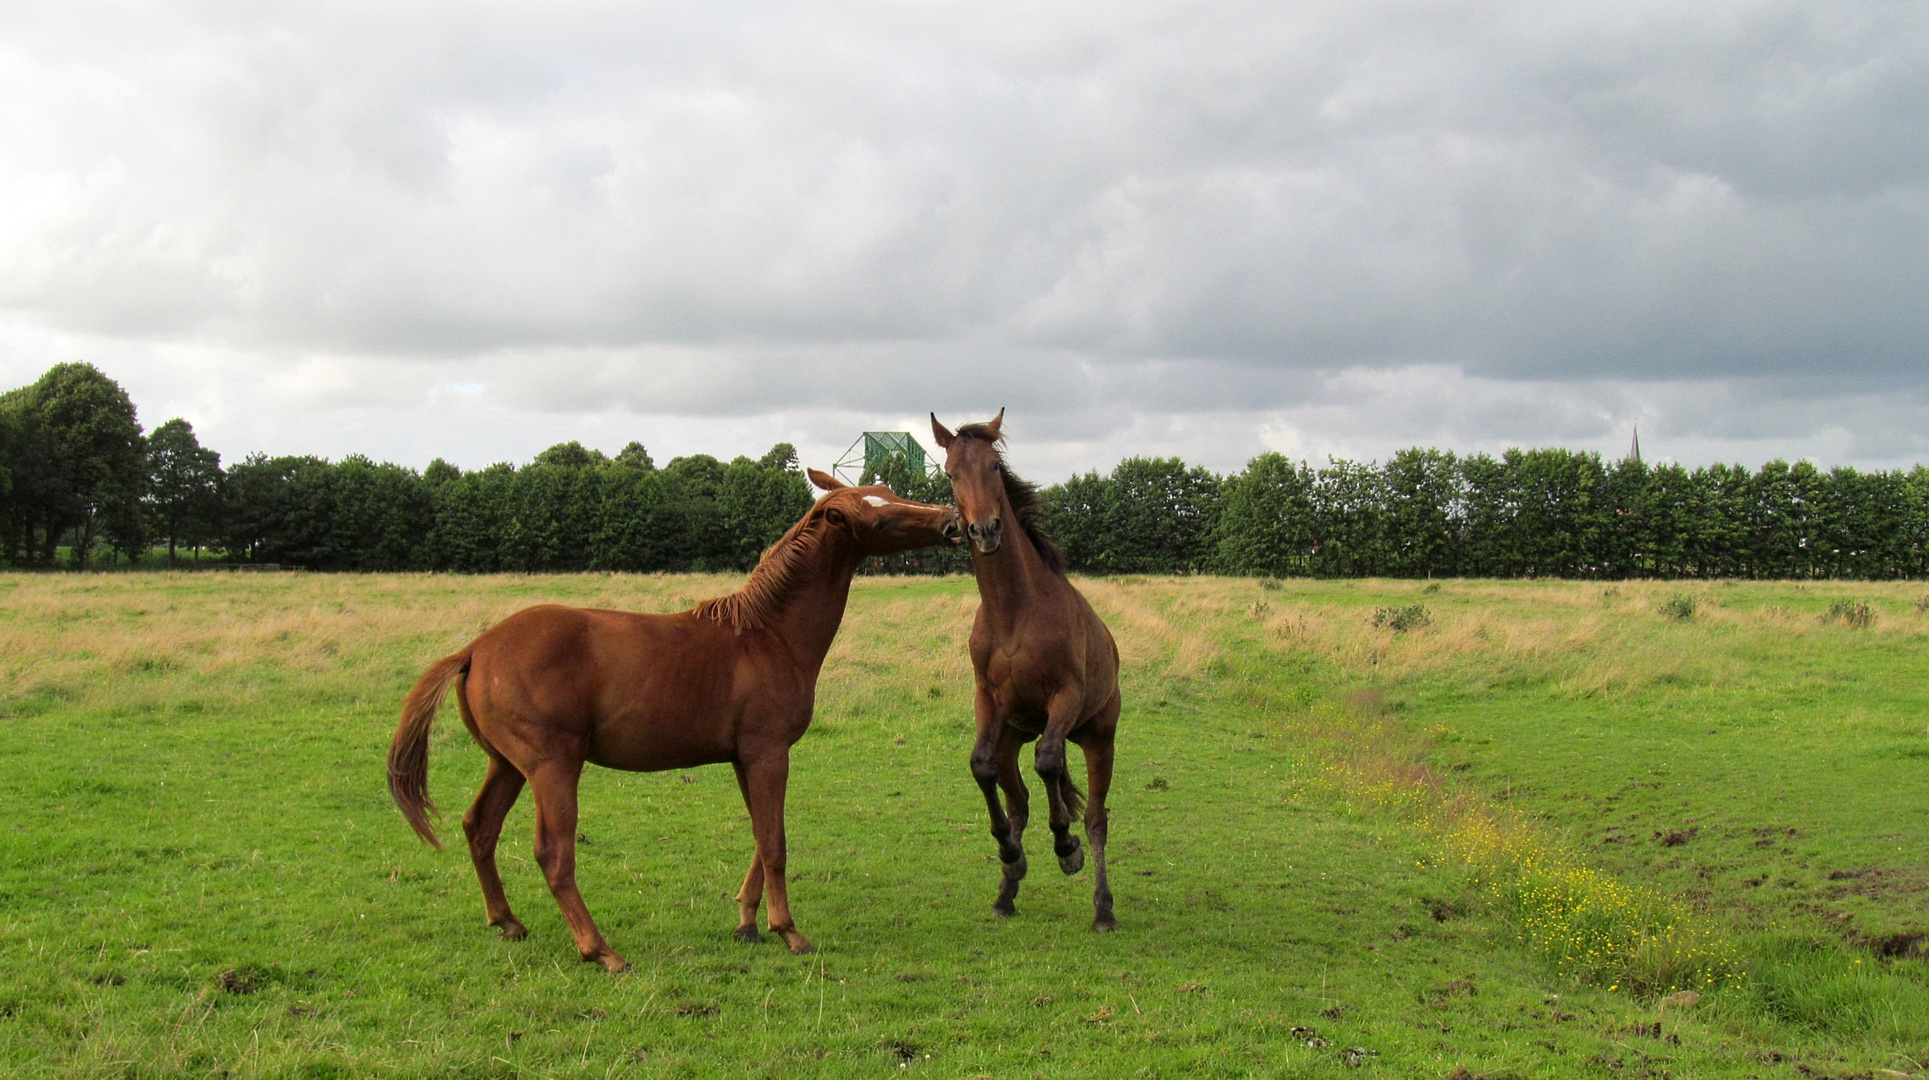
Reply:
x=954, y=529
x=986, y=535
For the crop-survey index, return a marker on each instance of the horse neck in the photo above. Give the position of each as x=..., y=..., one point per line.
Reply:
x=810, y=616
x=1010, y=578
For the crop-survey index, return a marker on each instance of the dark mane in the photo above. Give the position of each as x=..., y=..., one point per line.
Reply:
x=771, y=584
x=1023, y=496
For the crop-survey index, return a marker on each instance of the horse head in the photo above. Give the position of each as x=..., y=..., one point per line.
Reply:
x=977, y=477
x=882, y=522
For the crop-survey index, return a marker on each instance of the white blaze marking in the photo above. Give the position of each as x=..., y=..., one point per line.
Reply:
x=877, y=500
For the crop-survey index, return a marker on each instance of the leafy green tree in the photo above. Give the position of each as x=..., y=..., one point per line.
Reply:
x=82, y=464
x=380, y=518
x=571, y=455
x=184, y=487
x=1673, y=504
x=627, y=510
x=1162, y=518
x=1078, y=514
x=758, y=500
x=471, y=513
x=691, y=518
x=439, y=473
x=634, y=456
x=1349, y=523
x=1422, y=504
x=1266, y=525
x=550, y=523
x=15, y=505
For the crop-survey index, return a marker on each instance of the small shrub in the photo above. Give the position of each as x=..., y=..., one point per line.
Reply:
x=1273, y=583
x=1679, y=607
x=1854, y=614
x=1922, y=604
x=1431, y=589
x=1401, y=619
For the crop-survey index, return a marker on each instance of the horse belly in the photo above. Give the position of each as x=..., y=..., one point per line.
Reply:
x=649, y=743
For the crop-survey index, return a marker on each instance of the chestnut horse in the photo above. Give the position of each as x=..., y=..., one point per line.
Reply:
x=1046, y=666
x=734, y=680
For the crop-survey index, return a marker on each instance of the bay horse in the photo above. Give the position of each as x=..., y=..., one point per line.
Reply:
x=732, y=680
x=1045, y=664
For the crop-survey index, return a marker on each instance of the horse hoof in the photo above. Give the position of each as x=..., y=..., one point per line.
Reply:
x=611, y=962
x=1074, y=862
x=514, y=931
x=797, y=942
x=748, y=935
x=1004, y=911
x=1104, y=924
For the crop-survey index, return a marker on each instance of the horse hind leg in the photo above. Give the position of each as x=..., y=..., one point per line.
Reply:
x=555, y=789
x=1098, y=778
x=1066, y=802
x=483, y=827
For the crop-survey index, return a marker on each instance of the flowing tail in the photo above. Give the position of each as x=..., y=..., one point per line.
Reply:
x=1068, y=791
x=408, y=754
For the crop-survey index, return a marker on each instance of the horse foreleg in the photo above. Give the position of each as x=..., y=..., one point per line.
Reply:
x=1049, y=763
x=752, y=893
x=984, y=769
x=554, y=785
x=483, y=826
x=1018, y=811
x=765, y=782
x=1097, y=742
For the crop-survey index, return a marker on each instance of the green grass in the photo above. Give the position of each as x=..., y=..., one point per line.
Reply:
x=202, y=874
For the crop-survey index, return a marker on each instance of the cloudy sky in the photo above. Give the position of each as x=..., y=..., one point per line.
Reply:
x=1205, y=229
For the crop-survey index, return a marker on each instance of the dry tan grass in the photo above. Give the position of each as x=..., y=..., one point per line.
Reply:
x=77, y=637
x=70, y=636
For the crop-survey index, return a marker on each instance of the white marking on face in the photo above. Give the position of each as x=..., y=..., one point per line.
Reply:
x=877, y=500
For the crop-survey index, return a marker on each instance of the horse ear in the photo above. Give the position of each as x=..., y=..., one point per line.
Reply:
x=824, y=480
x=941, y=433
x=996, y=422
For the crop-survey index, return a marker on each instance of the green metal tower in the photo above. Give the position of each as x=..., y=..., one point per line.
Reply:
x=878, y=447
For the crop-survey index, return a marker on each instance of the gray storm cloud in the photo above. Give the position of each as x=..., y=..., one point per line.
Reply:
x=1537, y=217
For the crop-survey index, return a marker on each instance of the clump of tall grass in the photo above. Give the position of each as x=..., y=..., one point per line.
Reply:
x=1854, y=614
x=1679, y=607
x=1401, y=619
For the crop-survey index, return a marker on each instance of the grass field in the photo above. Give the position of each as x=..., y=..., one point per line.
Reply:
x=1398, y=827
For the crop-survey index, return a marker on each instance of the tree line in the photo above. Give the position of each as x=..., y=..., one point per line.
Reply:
x=78, y=474
x=1527, y=513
